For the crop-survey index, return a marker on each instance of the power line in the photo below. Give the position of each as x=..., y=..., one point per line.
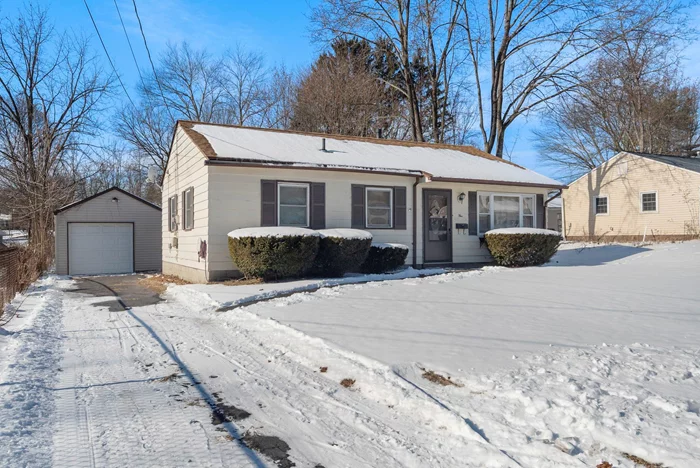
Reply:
x=129, y=41
x=148, y=52
x=107, y=53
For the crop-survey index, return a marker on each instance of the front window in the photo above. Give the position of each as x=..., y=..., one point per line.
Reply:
x=379, y=207
x=601, y=205
x=172, y=213
x=293, y=205
x=648, y=202
x=497, y=211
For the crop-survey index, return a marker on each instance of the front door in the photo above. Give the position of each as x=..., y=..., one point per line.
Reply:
x=437, y=226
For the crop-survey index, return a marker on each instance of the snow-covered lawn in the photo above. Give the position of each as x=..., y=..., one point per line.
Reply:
x=570, y=364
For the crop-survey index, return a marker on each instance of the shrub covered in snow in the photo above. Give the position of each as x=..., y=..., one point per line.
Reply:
x=520, y=247
x=273, y=252
x=384, y=257
x=340, y=251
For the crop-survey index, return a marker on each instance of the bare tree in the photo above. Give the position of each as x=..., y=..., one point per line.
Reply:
x=281, y=98
x=245, y=80
x=383, y=23
x=50, y=90
x=634, y=98
x=525, y=53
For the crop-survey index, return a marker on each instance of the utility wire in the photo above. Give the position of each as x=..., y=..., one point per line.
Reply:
x=129, y=41
x=107, y=53
x=148, y=52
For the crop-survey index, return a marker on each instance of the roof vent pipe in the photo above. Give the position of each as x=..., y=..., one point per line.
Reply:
x=323, y=144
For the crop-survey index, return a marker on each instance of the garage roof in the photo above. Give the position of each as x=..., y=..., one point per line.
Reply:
x=124, y=192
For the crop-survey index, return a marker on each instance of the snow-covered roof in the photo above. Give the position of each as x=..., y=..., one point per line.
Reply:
x=278, y=147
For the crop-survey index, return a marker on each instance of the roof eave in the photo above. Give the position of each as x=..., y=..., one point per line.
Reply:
x=92, y=197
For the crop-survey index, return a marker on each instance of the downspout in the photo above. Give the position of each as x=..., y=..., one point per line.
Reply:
x=415, y=219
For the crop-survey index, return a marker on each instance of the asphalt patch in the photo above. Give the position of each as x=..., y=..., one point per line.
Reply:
x=272, y=447
x=222, y=413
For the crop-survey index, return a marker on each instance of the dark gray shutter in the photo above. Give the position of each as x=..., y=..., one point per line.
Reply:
x=318, y=206
x=268, y=211
x=473, y=213
x=399, y=207
x=358, y=206
x=540, y=211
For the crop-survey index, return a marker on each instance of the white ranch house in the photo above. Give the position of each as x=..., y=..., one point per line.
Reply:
x=439, y=200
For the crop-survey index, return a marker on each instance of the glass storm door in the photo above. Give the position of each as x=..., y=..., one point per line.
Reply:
x=437, y=226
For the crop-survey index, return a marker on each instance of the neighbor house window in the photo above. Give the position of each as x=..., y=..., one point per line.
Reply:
x=292, y=204
x=172, y=213
x=648, y=202
x=379, y=201
x=188, y=209
x=497, y=211
x=601, y=205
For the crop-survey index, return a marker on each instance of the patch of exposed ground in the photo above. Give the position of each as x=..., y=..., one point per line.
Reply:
x=159, y=283
x=347, y=383
x=270, y=446
x=641, y=461
x=243, y=281
x=439, y=379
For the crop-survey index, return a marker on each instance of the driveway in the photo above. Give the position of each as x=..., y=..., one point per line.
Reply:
x=127, y=291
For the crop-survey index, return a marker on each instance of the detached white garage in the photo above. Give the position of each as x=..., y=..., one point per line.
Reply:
x=111, y=232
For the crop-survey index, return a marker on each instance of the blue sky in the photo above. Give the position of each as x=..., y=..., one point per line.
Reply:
x=279, y=29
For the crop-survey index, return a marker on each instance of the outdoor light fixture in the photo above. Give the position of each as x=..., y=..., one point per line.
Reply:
x=461, y=197
x=115, y=200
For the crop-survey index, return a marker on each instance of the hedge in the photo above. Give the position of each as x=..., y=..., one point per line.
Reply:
x=341, y=251
x=522, y=247
x=384, y=257
x=273, y=253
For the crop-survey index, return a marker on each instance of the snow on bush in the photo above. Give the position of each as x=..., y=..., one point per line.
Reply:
x=518, y=247
x=275, y=231
x=273, y=253
x=341, y=251
x=547, y=232
x=384, y=257
x=345, y=233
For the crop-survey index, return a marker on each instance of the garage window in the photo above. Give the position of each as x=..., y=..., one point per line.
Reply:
x=172, y=213
x=188, y=209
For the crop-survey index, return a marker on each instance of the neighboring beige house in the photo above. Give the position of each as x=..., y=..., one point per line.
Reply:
x=438, y=200
x=635, y=196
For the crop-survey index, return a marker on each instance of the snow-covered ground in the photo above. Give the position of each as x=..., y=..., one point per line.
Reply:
x=607, y=362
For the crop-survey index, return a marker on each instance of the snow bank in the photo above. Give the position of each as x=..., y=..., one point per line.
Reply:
x=275, y=231
x=345, y=233
x=386, y=245
x=547, y=232
x=228, y=297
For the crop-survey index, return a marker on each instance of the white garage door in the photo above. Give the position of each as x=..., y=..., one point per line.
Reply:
x=100, y=248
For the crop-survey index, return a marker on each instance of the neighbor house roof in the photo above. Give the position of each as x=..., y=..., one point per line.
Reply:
x=684, y=162
x=246, y=145
x=80, y=202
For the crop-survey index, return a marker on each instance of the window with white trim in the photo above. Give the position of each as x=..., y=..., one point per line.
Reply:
x=188, y=209
x=172, y=213
x=379, y=202
x=647, y=202
x=292, y=204
x=601, y=205
x=505, y=210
